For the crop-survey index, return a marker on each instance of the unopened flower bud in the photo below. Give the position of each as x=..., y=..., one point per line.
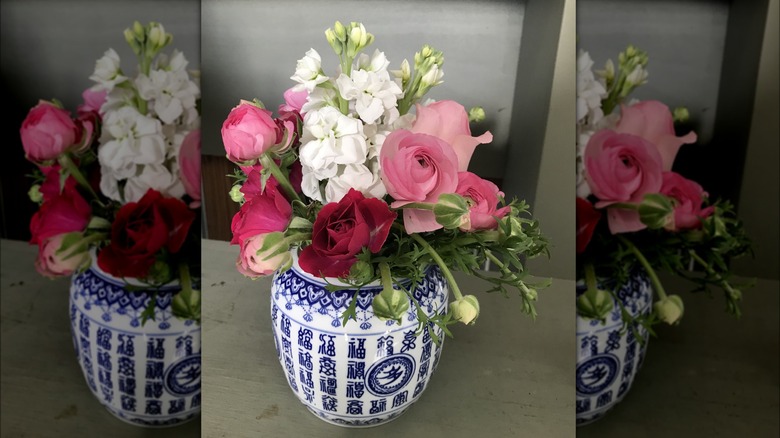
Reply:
x=139, y=31
x=339, y=31
x=681, y=114
x=595, y=304
x=432, y=77
x=476, y=114
x=452, y=211
x=186, y=304
x=669, y=309
x=160, y=272
x=35, y=194
x=236, y=195
x=333, y=41
x=361, y=272
x=465, y=310
x=657, y=211
x=390, y=304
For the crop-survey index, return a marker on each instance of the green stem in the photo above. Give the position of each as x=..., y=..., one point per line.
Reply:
x=67, y=163
x=625, y=206
x=184, y=276
x=439, y=261
x=283, y=181
x=649, y=269
x=496, y=261
x=721, y=281
x=590, y=276
x=417, y=206
x=385, y=276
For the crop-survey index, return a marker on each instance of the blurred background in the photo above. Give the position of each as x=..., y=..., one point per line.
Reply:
x=513, y=58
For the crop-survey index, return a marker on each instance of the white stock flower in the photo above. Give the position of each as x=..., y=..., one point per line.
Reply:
x=117, y=98
x=372, y=93
x=107, y=73
x=157, y=177
x=376, y=63
x=432, y=77
x=310, y=185
x=329, y=138
x=358, y=177
x=308, y=72
x=638, y=76
x=169, y=89
x=590, y=91
x=319, y=98
x=130, y=138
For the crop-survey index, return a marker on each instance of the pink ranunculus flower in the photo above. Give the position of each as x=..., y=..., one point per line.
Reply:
x=263, y=213
x=61, y=212
x=250, y=261
x=47, y=132
x=93, y=100
x=688, y=198
x=483, y=196
x=417, y=168
x=449, y=121
x=652, y=120
x=621, y=168
x=51, y=264
x=189, y=166
x=293, y=101
x=248, y=132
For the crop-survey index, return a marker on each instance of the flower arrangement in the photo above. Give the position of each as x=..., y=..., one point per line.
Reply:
x=371, y=185
x=632, y=208
x=123, y=177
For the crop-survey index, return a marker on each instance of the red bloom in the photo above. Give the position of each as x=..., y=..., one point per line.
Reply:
x=587, y=219
x=342, y=230
x=61, y=212
x=141, y=229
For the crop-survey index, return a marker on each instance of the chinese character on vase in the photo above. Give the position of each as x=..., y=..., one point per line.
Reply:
x=357, y=197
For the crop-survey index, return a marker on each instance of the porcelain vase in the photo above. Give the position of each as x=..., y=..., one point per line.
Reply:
x=146, y=374
x=608, y=357
x=366, y=372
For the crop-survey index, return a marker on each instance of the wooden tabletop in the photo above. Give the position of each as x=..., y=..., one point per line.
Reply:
x=711, y=376
x=43, y=390
x=506, y=376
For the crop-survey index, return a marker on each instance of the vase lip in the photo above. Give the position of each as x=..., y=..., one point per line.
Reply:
x=376, y=284
x=124, y=281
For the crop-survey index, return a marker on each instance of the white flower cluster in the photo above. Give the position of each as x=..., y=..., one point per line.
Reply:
x=590, y=92
x=340, y=146
x=145, y=120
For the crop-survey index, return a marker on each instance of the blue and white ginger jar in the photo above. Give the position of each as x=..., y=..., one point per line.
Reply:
x=608, y=358
x=146, y=374
x=365, y=373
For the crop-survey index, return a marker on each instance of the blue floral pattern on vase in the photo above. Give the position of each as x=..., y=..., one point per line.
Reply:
x=365, y=373
x=145, y=374
x=608, y=358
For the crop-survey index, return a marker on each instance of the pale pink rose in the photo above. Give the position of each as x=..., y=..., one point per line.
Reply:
x=48, y=132
x=417, y=168
x=293, y=101
x=248, y=132
x=51, y=264
x=250, y=262
x=653, y=121
x=483, y=196
x=449, y=121
x=93, y=100
x=621, y=168
x=189, y=166
x=688, y=198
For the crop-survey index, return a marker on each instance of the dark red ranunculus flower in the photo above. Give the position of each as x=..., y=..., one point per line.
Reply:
x=587, y=219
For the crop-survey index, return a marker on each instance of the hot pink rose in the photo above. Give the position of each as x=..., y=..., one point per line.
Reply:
x=262, y=213
x=249, y=132
x=653, y=121
x=93, y=100
x=293, y=101
x=342, y=229
x=61, y=212
x=48, y=132
x=688, y=197
x=251, y=262
x=417, y=168
x=483, y=196
x=189, y=166
x=295, y=175
x=449, y=121
x=621, y=168
x=51, y=264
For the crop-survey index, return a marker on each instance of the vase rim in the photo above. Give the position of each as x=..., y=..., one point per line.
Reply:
x=125, y=281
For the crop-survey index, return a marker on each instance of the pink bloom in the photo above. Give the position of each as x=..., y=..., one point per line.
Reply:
x=48, y=132
x=51, y=264
x=688, y=198
x=483, y=196
x=653, y=121
x=93, y=100
x=251, y=263
x=189, y=166
x=60, y=212
x=417, y=168
x=248, y=132
x=293, y=101
x=621, y=168
x=449, y=121
x=263, y=213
